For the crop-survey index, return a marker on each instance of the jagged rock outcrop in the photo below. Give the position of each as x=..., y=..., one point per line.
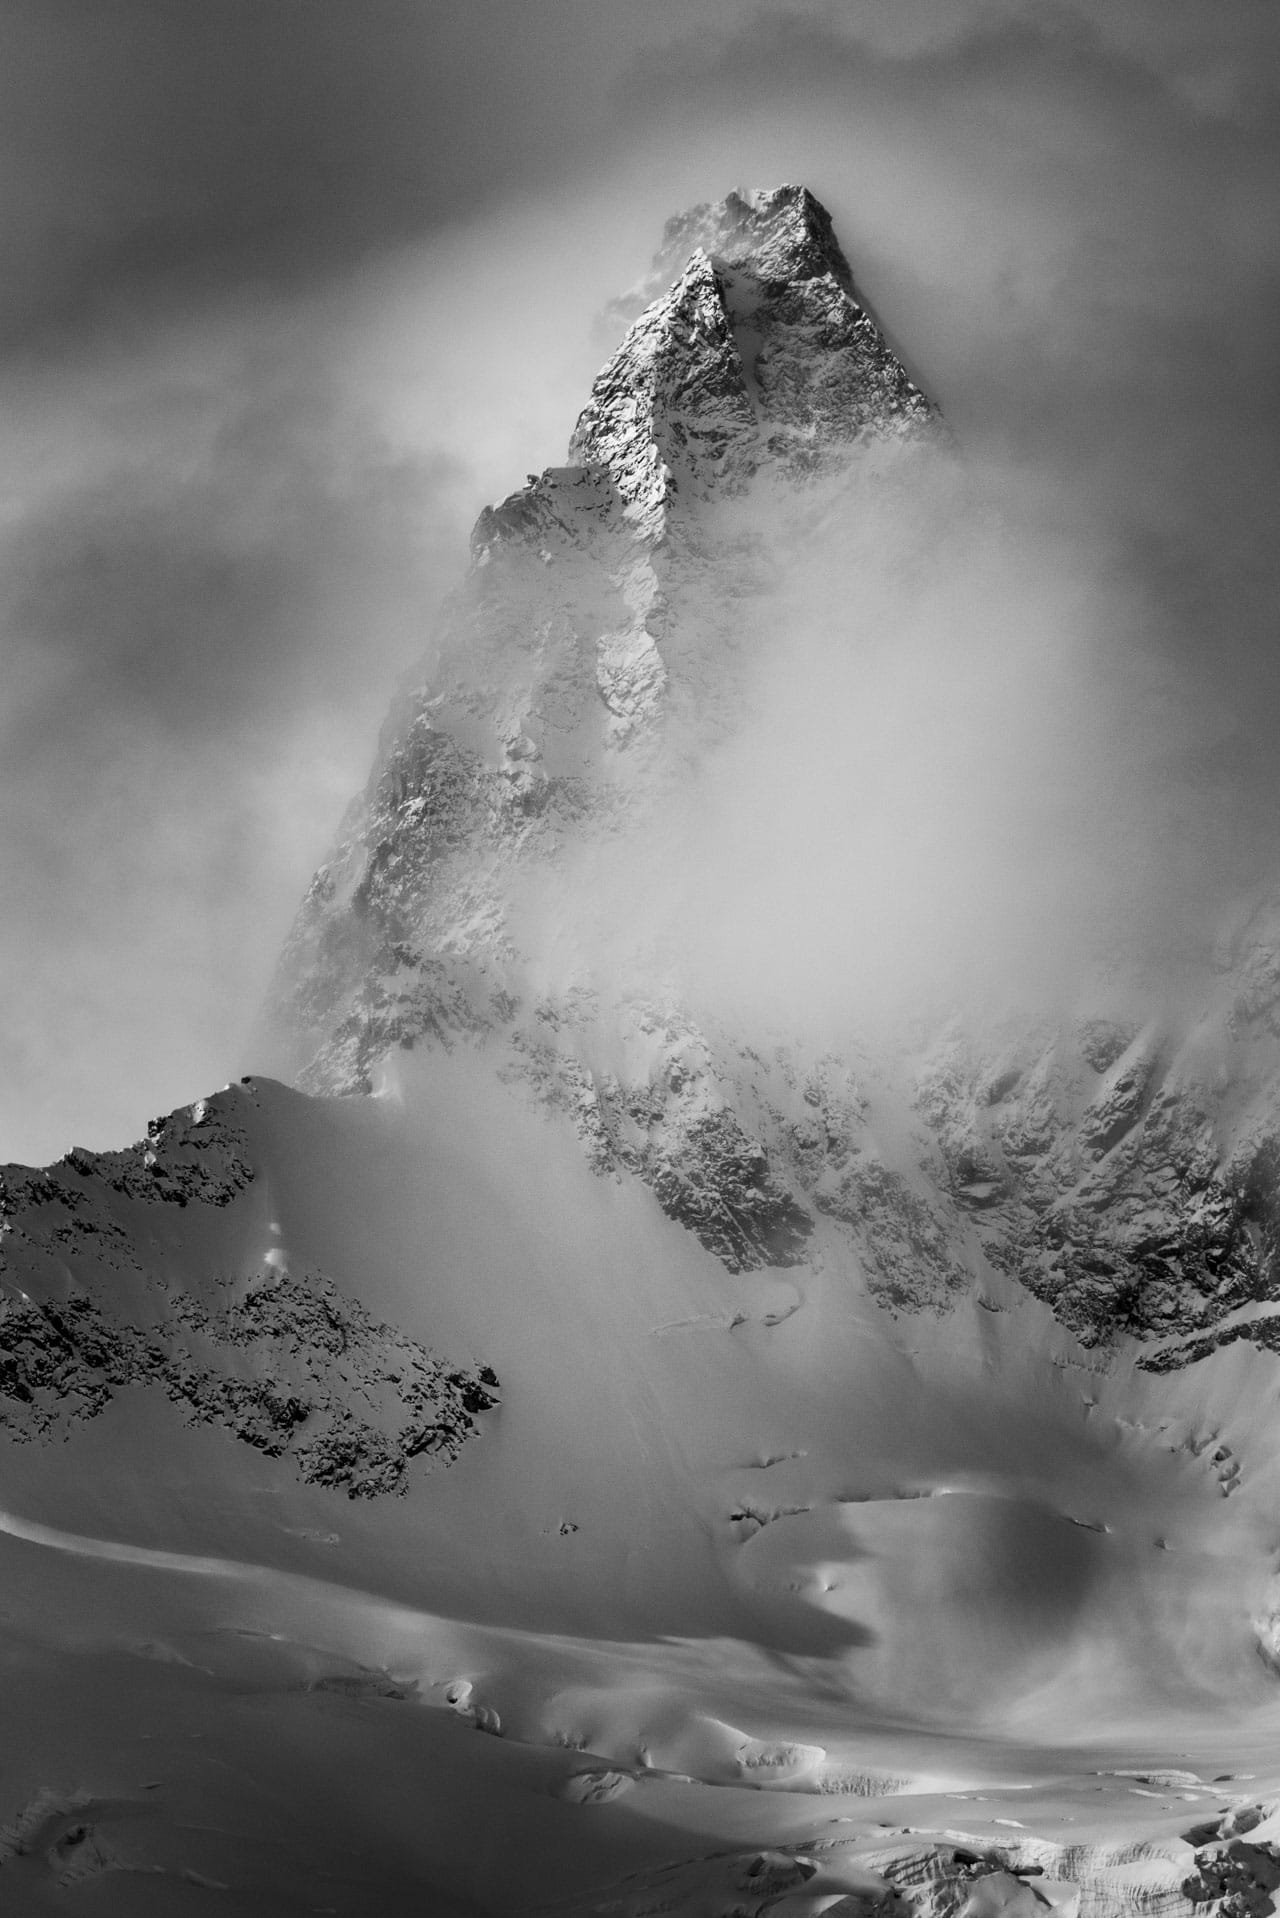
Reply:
x=1122, y=1169
x=1126, y=1176
x=284, y=1361
x=817, y=359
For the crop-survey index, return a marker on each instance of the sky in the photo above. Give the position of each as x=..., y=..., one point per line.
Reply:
x=294, y=287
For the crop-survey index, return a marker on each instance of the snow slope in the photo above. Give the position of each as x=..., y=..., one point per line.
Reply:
x=723, y=1541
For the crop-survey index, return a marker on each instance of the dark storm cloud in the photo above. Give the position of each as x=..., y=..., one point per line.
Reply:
x=151, y=141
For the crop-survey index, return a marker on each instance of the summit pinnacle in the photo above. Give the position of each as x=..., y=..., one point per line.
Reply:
x=595, y=626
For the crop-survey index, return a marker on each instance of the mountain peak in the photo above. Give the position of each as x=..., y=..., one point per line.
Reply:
x=785, y=231
x=597, y=628
x=760, y=352
x=672, y=411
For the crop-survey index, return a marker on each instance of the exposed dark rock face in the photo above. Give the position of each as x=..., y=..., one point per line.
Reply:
x=286, y=1363
x=1236, y=1878
x=713, y=1179
x=905, y=1243
x=1113, y=1179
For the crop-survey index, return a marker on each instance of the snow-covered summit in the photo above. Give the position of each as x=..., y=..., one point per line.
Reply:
x=598, y=624
x=761, y=352
x=784, y=232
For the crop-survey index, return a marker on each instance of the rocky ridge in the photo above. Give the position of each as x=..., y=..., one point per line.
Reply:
x=1117, y=1165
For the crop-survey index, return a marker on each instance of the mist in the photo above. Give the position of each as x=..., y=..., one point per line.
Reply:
x=296, y=291
x=944, y=767
x=230, y=535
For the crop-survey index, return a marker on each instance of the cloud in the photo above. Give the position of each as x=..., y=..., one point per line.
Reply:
x=1074, y=244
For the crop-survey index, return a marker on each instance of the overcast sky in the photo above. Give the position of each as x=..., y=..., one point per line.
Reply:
x=293, y=287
